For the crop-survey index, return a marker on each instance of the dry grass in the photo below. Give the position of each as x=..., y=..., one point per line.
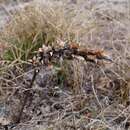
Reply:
x=85, y=93
x=33, y=26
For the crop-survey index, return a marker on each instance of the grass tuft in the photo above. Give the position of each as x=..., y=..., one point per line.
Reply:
x=32, y=27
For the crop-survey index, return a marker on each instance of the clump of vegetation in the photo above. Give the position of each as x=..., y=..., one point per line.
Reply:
x=32, y=27
x=38, y=24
